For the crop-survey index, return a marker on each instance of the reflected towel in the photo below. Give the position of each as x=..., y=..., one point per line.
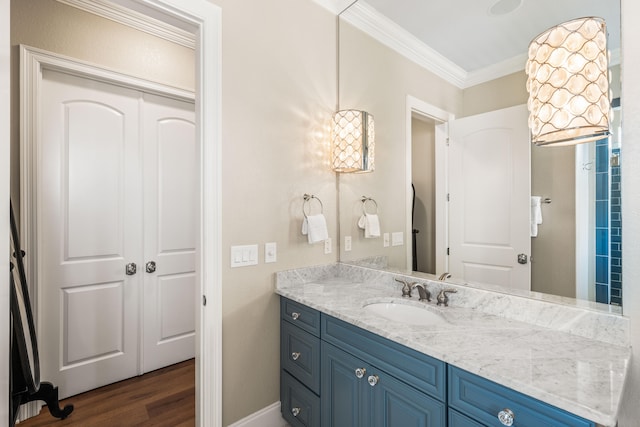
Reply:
x=370, y=223
x=315, y=228
x=536, y=214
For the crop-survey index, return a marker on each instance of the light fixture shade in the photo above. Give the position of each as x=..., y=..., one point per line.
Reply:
x=568, y=83
x=353, y=140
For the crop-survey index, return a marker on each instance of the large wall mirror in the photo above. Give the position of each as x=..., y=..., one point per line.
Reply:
x=576, y=252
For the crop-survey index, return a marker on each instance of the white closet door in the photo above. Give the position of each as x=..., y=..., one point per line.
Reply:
x=489, y=185
x=89, y=206
x=171, y=195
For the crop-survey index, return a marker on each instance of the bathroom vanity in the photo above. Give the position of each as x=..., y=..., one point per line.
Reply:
x=346, y=364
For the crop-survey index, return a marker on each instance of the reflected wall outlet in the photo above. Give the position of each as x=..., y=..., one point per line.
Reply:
x=397, y=238
x=347, y=243
x=327, y=246
x=385, y=240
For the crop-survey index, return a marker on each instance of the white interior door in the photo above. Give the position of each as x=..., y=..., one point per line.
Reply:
x=489, y=207
x=170, y=200
x=88, y=217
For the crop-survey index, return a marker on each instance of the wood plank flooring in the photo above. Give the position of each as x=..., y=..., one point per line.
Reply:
x=163, y=398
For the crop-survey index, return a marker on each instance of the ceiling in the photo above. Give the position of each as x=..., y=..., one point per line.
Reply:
x=462, y=40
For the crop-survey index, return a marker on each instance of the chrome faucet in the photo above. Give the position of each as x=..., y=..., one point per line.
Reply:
x=422, y=291
x=406, y=289
x=444, y=276
x=443, y=298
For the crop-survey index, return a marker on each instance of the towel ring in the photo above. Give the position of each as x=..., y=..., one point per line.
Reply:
x=364, y=205
x=307, y=203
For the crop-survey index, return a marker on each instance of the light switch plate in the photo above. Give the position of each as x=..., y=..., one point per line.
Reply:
x=397, y=238
x=244, y=255
x=270, y=252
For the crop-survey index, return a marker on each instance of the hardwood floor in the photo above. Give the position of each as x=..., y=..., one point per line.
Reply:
x=164, y=398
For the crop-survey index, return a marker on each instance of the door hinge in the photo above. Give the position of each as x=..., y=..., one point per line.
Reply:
x=204, y=300
x=447, y=251
x=448, y=197
x=447, y=141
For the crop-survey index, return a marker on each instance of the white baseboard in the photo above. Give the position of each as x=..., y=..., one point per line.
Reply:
x=265, y=417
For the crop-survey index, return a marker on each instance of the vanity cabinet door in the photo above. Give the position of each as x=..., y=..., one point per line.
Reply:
x=370, y=397
x=345, y=397
x=398, y=404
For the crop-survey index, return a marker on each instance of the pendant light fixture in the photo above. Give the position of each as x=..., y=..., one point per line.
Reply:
x=568, y=83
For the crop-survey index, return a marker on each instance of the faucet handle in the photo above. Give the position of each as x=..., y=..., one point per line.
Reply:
x=443, y=298
x=406, y=289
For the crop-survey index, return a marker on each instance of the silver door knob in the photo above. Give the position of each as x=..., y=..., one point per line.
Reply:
x=131, y=269
x=150, y=267
x=522, y=259
x=373, y=380
x=506, y=417
x=360, y=372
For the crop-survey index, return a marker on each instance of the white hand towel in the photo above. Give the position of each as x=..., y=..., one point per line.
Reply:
x=315, y=228
x=536, y=214
x=370, y=223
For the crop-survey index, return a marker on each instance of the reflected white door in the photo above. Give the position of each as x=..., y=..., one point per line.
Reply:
x=170, y=231
x=116, y=186
x=88, y=215
x=489, y=188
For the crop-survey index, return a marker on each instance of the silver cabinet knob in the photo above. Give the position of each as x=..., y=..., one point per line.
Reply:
x=150, y=267
x=506, y=417
x=131, y=269
x=295, y=411
x=373, y=380
x=360, y=372
x=295, y=355
x=295, y=315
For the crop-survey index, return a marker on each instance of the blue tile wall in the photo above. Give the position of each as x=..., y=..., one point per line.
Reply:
x=603, y=248
x=615, y=254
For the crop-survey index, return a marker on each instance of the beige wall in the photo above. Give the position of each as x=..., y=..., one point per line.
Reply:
x=377, y=79
x=423, y=140
x=278, y=94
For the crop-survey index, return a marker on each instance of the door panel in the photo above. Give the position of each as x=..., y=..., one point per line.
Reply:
x=88, y=205
x=170, y=192
x=489, y=186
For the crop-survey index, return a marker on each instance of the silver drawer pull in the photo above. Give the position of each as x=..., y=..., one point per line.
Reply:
x=373, y=380
x=506, y=417
x=295, y=411
x=295, y=315
x=360, y=372
x=295, y=355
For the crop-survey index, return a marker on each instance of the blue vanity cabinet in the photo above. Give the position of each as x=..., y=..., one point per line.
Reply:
x=484, y=402
x=299, y=364
x=355, y=393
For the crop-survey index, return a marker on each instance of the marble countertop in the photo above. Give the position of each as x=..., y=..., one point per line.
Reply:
x=580, y=375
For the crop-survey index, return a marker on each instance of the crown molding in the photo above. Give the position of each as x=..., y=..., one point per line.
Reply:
x=130, y=18
x=389, y=33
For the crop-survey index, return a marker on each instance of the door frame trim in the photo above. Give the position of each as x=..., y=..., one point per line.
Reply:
x=204, y=19
x=441, y=117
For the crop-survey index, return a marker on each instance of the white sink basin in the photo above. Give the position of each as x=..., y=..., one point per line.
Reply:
x=404, y=313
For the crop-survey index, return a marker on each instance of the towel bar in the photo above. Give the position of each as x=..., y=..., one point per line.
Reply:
x=364, y=201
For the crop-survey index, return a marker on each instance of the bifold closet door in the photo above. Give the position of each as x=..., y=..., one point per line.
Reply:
x=170, y=224
x=89, y=210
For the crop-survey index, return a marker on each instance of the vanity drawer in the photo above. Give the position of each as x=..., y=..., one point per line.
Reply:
x=300, y=355
x=300, y=315
x=412, y=367
x=456, y=419
x=300, y=407
x=482, y=400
